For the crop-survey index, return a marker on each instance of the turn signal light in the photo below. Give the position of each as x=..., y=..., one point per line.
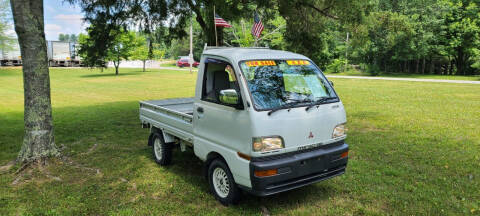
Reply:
x=265, y=173
x=344, y=154
x=244, y=156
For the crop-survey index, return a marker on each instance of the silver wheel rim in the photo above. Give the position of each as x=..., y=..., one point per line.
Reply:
x=220, y=182
x=157, y=148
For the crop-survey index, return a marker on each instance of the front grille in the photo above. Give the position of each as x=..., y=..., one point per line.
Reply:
x=288, y=154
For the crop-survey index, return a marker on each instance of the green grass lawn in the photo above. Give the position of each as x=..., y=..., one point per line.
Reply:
x=415, y=150
x=419, y=76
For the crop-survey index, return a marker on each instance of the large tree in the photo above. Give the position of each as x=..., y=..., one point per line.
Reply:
x=109, y=18
x=122, y=48
x=140, y=51
x=313, y=26
x=202, y=12
x=38, y=142
x=461, y=33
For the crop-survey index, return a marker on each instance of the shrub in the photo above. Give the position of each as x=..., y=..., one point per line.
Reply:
x=337, y=66
x=371, y=69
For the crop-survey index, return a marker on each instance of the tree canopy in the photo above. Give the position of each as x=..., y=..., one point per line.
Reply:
x=420, y=36
x=68, y=38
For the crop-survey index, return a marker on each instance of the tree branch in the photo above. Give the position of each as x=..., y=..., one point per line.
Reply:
x=324, y=11
x=199, y=17
x=270, y=33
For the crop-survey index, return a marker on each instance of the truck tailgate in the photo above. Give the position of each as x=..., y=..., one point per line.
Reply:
x=174, y=116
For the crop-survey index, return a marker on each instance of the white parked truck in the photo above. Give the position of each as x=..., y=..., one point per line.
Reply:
x=11, y=56
x=263, y=121
x=62, y=54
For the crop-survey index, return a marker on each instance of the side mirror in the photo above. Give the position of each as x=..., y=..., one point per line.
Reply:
x=229, y=96
x=331, y=83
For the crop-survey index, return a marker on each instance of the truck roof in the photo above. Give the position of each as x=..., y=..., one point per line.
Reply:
x=237, y=54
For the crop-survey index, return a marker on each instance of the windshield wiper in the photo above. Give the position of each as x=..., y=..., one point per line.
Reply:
x=288, y=105
x=319, y=101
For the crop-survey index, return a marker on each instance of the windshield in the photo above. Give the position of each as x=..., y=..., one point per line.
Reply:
x=278, y=83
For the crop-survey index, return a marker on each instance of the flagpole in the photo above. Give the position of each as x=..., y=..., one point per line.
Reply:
x=216, y=39
x=190, y=56
x=256, y=38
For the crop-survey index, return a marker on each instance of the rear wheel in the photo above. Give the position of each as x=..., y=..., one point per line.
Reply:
x=162, y=152
x=222, y=184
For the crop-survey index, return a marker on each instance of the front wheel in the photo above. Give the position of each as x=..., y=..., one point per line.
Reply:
x=222, y=184
x=162, y=152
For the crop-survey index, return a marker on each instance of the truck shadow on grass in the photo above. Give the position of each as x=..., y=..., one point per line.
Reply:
x=108, y=142
x=188, y=167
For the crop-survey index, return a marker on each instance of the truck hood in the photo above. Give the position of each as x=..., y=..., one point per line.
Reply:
x=299, y=128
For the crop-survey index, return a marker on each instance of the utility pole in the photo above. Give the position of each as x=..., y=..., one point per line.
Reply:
x=243, y=28
x=190, y=56
x=346, y=53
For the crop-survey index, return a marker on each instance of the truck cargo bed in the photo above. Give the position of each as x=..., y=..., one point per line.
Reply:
x=174, y=116
x=182, y=105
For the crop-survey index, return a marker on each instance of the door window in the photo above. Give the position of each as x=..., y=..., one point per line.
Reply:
x=219, y=75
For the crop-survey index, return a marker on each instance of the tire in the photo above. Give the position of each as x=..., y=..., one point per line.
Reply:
x=218, y=175
x=162, y=152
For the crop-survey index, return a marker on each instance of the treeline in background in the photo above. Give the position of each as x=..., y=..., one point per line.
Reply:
x=384, y=36
x=349, y=36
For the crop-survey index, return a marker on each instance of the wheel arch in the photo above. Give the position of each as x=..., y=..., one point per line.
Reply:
x=153, y=131
x=211, y=156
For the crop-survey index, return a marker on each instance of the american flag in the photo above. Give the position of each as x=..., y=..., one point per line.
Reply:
x=257, y=26
x=221, y=22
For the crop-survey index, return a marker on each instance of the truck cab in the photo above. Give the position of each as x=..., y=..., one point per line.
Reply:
x=263, y=121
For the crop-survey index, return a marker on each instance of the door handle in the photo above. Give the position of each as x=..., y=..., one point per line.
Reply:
x=200, y=109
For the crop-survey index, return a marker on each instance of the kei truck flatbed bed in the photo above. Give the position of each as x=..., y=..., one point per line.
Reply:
x=263, y=121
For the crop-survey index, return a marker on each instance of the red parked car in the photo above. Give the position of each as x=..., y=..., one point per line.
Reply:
x=183, y=62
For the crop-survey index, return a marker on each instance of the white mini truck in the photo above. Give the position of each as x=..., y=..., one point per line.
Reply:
x=263, y=121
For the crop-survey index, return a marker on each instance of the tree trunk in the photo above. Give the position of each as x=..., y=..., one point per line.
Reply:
x=116, y=63
x=205, y=23
x=432, y=66
x=144, y=65
x=409, y=63
x=460, y=64
x=116, y=68
x=423, y=65
x=220, y=36
x=417, y=68
x=450, y=68
x=39, y=140
x=385, y=66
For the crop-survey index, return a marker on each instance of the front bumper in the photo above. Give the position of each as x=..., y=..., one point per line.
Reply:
x=298, y=169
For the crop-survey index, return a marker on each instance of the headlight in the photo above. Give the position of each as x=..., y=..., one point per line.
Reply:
x=339, y=131
x=265, y=144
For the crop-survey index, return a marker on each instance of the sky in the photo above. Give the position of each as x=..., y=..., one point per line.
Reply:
x=60, y=17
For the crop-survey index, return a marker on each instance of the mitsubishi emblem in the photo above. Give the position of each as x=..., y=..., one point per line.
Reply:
x=310, y=136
